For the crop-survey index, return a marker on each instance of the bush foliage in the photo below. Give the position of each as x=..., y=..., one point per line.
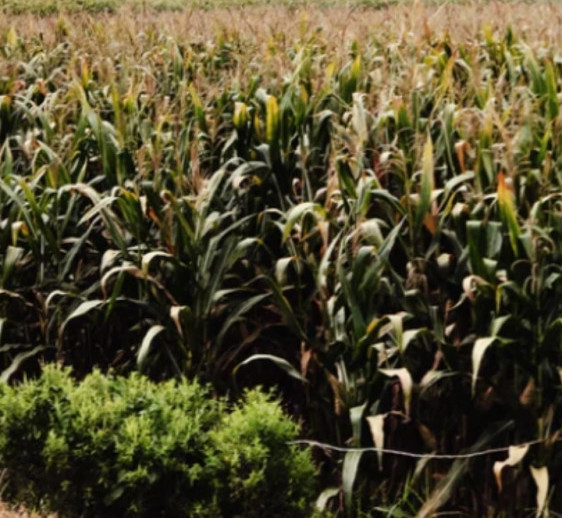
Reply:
x=129, y=447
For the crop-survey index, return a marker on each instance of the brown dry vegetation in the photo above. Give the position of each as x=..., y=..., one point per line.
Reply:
x=6, y=512
x=540, y=23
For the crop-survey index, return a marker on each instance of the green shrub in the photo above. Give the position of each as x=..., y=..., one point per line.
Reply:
x=262, y=475
x=129, y=447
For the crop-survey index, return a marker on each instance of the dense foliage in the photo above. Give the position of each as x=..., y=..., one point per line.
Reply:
x=129, y=447
x=374, y=224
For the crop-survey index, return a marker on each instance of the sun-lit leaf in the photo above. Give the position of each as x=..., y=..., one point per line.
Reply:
x=297, y=212
x=349, y=474
x=150, y=256
x=508, y=211
x=515, y=456
x=18, y=360
x=325, y=497
x=406, y=383
x=279, y=362
x=376, y=425
x=83, y=309
x=427, y=184
x=540, y=476
x=146, y=344
x=478, y=350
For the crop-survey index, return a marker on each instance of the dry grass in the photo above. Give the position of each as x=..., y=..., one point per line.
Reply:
x=7, y=512
x=463, y=22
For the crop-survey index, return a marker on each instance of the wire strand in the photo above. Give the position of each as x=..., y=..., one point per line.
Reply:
x=437, y=456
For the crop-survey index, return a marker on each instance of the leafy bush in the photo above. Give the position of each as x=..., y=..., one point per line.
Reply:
x=129, y=447
x=260, y=479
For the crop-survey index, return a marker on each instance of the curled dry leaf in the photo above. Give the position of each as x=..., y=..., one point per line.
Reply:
x=540, y=476
x=514, y=457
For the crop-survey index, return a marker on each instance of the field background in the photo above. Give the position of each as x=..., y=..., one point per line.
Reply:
x=356, y=202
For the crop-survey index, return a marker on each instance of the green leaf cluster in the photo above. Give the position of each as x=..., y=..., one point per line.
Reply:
x=129, y=447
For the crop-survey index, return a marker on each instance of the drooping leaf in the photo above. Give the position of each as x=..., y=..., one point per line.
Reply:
x=18, y=360
x=279, y=362
x=405, y=382
x=514, y=457
x=297, y=212
x=146, y=344
x=540, y=476
x=376, y=425
x=83, y=309
x=325, y=497
x=478, y=350
x=148, y=258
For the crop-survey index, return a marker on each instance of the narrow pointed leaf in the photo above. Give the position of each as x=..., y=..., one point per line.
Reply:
x=478, y=350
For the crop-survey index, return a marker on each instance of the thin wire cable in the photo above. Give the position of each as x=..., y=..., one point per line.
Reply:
x=437, y=456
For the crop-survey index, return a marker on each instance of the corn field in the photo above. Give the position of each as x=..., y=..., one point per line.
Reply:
x=361, y=208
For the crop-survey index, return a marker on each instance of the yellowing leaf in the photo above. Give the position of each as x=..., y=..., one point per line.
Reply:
x=507, y=211
x=272, y=119
x=12, y=37
x=356, y=66
x=240, y=117
x=427, y=184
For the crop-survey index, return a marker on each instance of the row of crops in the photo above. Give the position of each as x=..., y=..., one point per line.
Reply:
x=367, y=217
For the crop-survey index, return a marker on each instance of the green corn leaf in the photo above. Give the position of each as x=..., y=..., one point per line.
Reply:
x=18, y=360
x=83, y=309
x=349, y=474
x=279, y=362
x=146, y=344
x=296, y=214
